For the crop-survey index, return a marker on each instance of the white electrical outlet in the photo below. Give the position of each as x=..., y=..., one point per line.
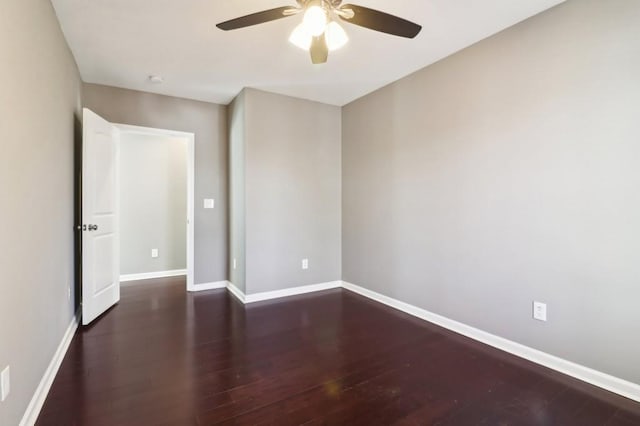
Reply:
x=234, y=263
x=5, y=383
x=154, y=253
x=540, y=311
x=305, y=263
x=209, y=203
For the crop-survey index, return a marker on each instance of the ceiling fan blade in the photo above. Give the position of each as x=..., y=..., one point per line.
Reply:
x=379, y=21
x=257, y=18
x=319, y=50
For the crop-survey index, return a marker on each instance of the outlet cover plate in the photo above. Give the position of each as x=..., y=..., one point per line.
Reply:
x=305, y=263
x=540, y=311
x=154, y=253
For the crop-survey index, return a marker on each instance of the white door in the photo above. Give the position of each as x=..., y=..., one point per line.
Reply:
x=100, y=229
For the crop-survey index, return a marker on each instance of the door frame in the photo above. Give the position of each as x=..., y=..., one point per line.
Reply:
x=190, y=139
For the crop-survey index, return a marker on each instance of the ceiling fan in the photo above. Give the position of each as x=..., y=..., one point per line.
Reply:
x=319, y=32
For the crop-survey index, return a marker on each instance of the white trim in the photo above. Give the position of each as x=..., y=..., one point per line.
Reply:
x=209, y=286
x=586, y=374
x=293, y=291
x=37, y=401
x=150, y=275
x=236, y=292
x=191, y=204
x=277, y=294
x=190, y=139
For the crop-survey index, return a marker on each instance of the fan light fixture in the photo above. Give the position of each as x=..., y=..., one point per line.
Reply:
x=301, y=38
x=334, y=34
x=315, y=19
x=315, y=24
x=319, y=33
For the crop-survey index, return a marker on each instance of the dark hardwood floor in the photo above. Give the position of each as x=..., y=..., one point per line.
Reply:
x=165, y=357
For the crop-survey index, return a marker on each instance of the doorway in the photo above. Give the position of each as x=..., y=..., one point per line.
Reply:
x=156, y=203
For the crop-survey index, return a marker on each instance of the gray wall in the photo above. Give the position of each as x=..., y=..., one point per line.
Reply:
x=292, y=189
x=209, y=123
x=237, y=240
x=509, y=173
x=39, y=118
x=153, y=203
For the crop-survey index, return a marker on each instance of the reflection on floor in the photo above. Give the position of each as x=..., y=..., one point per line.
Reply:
x=165, y=357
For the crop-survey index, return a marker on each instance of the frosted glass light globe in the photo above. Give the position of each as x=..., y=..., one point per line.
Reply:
x=315, y=20
x=301, y=38
x=336, y=36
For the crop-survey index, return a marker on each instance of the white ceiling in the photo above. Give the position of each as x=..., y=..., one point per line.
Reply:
x=121, y=42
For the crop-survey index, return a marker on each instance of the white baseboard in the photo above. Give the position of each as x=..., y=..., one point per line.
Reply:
x=580, y=372
x=150, y=275
x=276, y=294
x=236, y=292
x=293, y=291
x=209, y=286
x=37, y=401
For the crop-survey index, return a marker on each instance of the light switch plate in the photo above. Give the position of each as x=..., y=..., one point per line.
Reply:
x=5, y=383
x=154, y=253
x=540, y=311
x=209, y=203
